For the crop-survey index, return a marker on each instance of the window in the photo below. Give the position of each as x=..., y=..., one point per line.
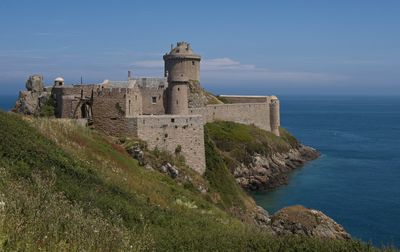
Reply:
x=179, y=89
x=154, y=99
x=193, y=63
x=176, y=101
x=172, y=120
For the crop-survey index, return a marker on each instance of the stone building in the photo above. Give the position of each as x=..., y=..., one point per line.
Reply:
x=157, y=110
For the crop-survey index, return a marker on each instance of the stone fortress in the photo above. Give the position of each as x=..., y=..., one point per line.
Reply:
x=164, y=112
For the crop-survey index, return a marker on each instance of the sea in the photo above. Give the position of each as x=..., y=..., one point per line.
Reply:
x=356, y=181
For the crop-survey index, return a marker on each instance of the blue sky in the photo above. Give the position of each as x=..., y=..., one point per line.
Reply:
x=282, y=47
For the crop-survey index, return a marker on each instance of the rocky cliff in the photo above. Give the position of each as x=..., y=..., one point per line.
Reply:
x=35, y=100
x=256, y=158
x=298, y=220
x=270, y=171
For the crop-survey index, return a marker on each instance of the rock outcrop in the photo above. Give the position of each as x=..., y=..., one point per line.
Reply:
x=198, y=97
x=31, y=101
x=266, y=172
x=298, y=220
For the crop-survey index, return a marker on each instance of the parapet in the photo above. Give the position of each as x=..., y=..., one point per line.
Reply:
x=182, y=50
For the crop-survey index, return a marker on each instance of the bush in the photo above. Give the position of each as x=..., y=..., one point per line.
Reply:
x=47, y=110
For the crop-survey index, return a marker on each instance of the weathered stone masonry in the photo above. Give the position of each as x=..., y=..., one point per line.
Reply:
x=167, y=132
x=157, y=111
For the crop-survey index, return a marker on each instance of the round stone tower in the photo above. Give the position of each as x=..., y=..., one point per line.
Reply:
x=275, y=120
x=181, y=66
x=182, y=62
x=177, y=96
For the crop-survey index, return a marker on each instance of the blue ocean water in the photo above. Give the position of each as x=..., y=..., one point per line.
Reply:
x=356, y=181
x=7, y=102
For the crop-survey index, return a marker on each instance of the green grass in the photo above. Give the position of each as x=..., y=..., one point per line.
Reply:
x=68, y=188
x=232, y=197
x=237, y=143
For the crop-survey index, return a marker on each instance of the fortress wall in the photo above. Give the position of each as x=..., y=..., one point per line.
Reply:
x=166, y=132
x=109, y=107
x=245, y=99
x=133, y=102
x=67, y=97
x=149, y=107
x=246, y=113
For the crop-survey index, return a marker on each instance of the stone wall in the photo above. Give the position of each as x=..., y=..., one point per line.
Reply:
x=245, y=113
x=167, y=132
x=133, y=102
x=108, y=109
x=244, y=99
x=153, y=100
x=67, y=98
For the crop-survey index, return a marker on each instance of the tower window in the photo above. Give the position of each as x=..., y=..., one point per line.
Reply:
x=193, y=63
x=178, y=89
x=154, y=99
x=176, y=101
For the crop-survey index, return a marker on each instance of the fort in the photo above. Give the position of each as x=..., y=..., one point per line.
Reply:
x=164, y=112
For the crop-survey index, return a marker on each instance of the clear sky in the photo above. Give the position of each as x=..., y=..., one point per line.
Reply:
x=282, y=47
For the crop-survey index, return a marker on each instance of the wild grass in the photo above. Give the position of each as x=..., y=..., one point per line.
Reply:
x=238, y=143
x=35, y=216
x=63, y=187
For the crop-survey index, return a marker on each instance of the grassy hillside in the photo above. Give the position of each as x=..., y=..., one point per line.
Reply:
x=238, y=142
x=63, y=187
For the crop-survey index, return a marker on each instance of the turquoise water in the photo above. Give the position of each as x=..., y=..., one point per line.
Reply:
x=357, y=179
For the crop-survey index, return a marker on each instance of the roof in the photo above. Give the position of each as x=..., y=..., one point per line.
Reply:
x=59, y=79
x=142, y=82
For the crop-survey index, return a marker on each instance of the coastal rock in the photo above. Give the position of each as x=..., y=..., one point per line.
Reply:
x=262, y=217
x=31, y=101
x=35, y=83
x=298, y=220
x=267, y=172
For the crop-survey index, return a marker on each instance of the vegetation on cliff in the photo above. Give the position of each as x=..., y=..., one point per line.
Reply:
x=63, y=187
x=258, y=159
x=240, y=142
